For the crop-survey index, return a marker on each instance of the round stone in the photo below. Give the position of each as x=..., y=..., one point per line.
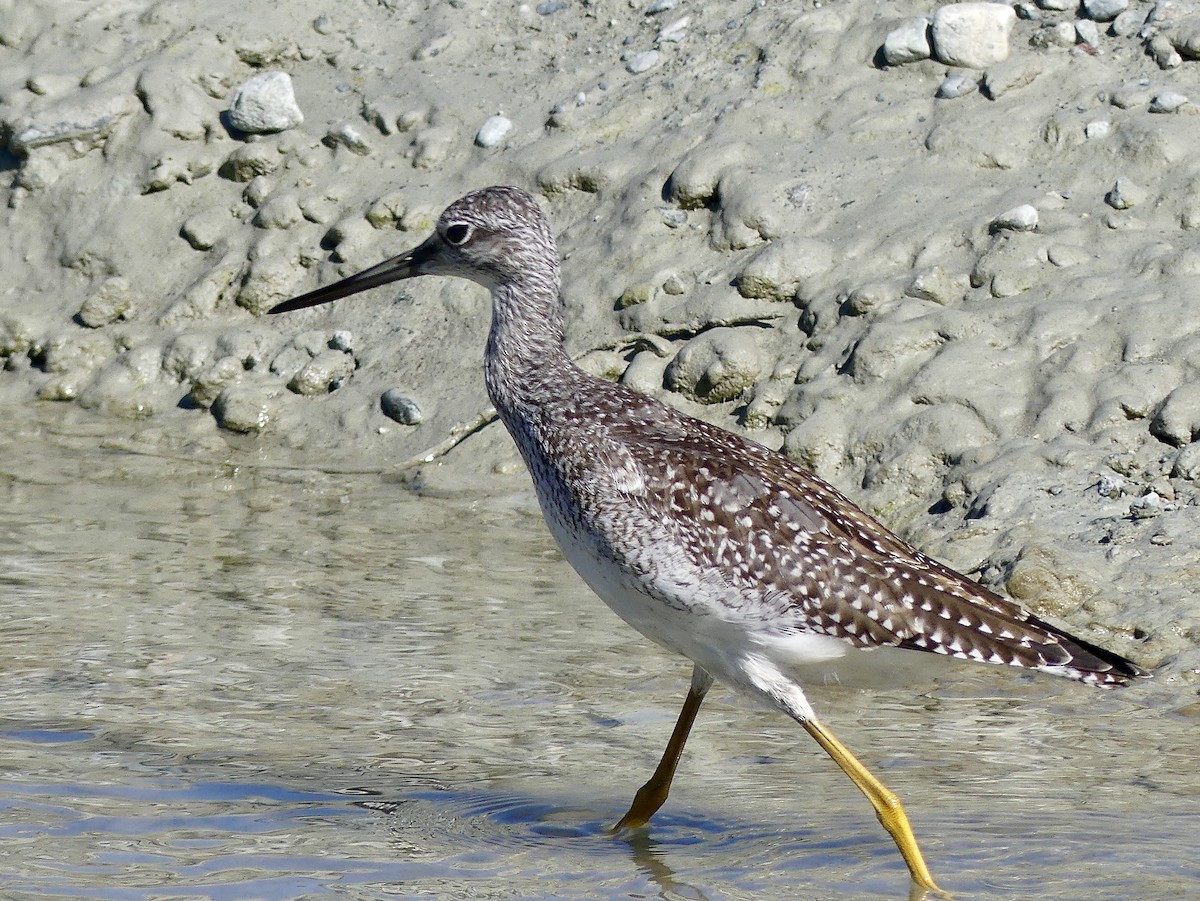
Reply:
x=397, y=405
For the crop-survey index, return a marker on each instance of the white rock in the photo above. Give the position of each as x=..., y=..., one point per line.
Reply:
x=642, y=62
x=264, y=104
x=1087, y=32
x=1057, y=5
x=1023, y=218
x=675, y=32
x=1167, y=102
x=908, y=43
x=973, y=35
x=493, y=130
x=956, y=85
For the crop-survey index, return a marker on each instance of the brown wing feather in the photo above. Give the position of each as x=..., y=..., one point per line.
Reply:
x=856, y=579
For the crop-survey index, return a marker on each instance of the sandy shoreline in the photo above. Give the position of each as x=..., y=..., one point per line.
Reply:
x=759, y=224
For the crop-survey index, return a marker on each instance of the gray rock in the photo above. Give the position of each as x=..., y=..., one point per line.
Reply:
x=972, y=35
x=85, y=121
x=1128, y=23
x=908, y=42
x=249, y=161
x=957, y=85
x=1164, y=52
x=397, y=405
x=264, y=104
x=1177, y=421
x=1124, y=194
x=1057, y=5
x=1187, y=464
x=257, y=190
x=1186, y=38
x=1104, y=10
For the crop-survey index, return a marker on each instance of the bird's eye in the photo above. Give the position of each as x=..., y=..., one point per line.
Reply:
x=457, y=234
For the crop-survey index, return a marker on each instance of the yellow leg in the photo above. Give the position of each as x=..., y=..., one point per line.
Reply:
x=887, y=805
x=653, y=794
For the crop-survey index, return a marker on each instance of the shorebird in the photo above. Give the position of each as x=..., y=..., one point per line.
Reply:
x=707, y=543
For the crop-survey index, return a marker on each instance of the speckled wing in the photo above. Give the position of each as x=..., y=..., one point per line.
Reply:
x=819, y=564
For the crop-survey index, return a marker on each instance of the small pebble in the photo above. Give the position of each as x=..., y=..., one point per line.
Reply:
x=675, y=32
x=551, y=7
x=1167, y=102
x=672, y=217
x=1023, y=218
x=264, y=104
x=642, y=62
x=1098, y=129
x=493, y=130
x=397, y=405
x=660, y=6
x=1124, y=194
x=343, y=340
x=322, y=24
x=956, y=85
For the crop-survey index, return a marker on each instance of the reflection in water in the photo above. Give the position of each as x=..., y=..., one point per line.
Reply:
x=229, y=682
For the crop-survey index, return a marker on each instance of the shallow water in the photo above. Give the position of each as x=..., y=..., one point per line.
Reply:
x=228, y=681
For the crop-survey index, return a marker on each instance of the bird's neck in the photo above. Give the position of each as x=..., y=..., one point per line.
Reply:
x=525, y=355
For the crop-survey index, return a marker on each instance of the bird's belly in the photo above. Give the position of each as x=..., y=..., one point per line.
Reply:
x=690, y=611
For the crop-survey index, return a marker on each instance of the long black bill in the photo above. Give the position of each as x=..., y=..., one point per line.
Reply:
x=406, y=265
